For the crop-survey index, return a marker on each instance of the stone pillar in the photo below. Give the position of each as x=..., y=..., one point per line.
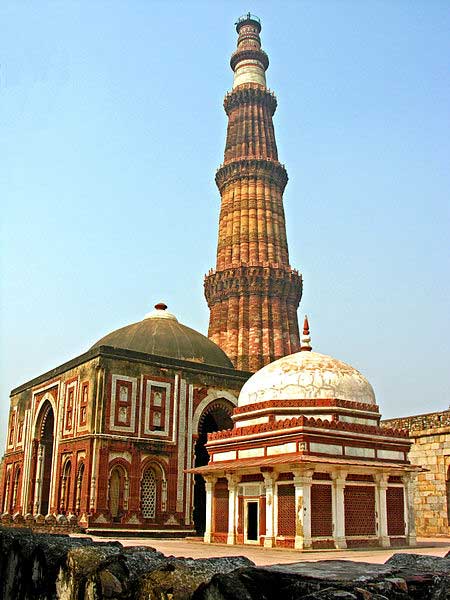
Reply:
x=381, y=480
x=410, y=517
x=62, y=501
x=38, y=484
x=233, y=480
x=302, y=486
x=210, y=482
x=338, y=478
x=126, y=493
x=78, y=492
x=269, y=483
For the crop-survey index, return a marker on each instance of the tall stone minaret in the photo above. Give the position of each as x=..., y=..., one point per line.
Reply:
x=253, y=294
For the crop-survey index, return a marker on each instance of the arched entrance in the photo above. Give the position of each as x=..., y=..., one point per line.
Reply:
x=215, y=417
x=44, y=463
x=117, y=496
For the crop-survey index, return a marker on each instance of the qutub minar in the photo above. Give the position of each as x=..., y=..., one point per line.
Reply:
x=253, y=294
x=246, y=437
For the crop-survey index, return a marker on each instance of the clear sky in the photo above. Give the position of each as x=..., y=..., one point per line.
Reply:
x=112, y=128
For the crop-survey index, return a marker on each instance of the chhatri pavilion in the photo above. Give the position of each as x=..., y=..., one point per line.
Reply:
x=307, y=464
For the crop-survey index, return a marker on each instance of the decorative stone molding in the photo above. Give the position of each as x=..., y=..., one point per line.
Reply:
x=249, y=54
x=262, y=281
x=250, y=93
x=308, y=422
x=257, y=168
x=316, y=402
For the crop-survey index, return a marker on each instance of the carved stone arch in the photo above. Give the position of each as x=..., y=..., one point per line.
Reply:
x=118, y=487
x=212, y=395
x=46, y=403
x=154, y=462
x=220, y=407
x=65, y=485
x=44, y=429
x=212, y=414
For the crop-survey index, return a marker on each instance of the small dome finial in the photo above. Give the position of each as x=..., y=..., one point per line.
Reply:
x=306, y=338
x=160, y=312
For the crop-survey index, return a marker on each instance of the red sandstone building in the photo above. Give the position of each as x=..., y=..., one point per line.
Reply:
x=104, y=440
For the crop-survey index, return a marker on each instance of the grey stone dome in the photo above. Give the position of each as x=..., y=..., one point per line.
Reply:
x=160, y=333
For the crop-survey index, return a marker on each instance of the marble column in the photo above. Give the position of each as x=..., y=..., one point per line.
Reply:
x=210, y=482
x=302, y=487
x=381, y=480
x=269, y=483
x=338, y=478
x=233, y=481
x=410, y=516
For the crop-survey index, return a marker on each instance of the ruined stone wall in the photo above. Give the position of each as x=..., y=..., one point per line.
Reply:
x=431, y=449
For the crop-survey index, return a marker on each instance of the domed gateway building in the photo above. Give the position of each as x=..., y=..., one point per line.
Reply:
x=307, y=464
x=105, y=439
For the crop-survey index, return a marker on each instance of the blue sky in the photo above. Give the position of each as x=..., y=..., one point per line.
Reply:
x=112, y=128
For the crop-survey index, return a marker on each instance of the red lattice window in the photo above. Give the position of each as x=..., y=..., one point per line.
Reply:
x=286, y=510
x=321, y=511
x=359, y=510
x=221, y=507
x=395, y=511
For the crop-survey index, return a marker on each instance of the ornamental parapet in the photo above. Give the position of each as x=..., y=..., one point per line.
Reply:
x=249, y=54
x=250, y=93
x=283, y=283
x=255, y=168
x=311, y=422
x=307, y=403
x=420, y=423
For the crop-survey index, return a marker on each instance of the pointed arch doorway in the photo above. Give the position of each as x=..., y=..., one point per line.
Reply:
x=43, y=473
x=215, y=417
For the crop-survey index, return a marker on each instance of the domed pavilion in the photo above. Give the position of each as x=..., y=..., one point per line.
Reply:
x=307, y=464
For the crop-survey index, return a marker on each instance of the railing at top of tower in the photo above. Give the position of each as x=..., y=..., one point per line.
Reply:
x=248, y=17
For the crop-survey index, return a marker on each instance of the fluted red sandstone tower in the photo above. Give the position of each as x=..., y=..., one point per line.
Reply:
x=253, y=294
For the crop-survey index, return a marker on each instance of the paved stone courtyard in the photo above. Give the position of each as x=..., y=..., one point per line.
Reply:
x=438, y=546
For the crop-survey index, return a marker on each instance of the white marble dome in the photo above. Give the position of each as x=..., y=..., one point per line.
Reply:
x=306, y=375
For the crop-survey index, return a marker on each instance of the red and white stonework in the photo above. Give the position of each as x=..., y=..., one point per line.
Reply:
x=105, y=439
x=307, y=464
